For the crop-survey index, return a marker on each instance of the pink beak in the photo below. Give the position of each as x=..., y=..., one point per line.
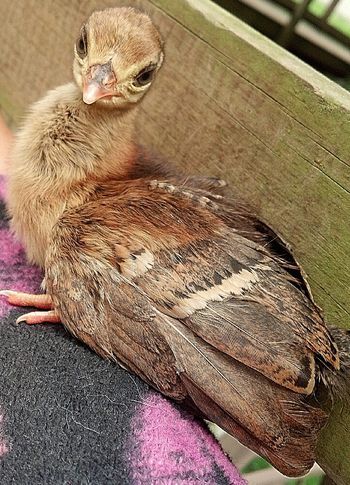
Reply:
x=98, y=83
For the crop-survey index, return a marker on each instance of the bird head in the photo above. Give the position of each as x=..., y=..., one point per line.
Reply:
x=117, y=55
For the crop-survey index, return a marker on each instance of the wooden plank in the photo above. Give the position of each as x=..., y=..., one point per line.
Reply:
x=263, y=129
x=231, y=103
x=278, y=131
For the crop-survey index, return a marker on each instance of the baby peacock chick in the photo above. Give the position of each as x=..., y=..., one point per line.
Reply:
x=71, y=142
x=179, y=285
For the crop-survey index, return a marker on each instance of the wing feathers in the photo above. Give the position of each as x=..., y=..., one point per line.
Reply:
x=245, y=331
x=262, y=320
x=232, y=386
x=186, y=302
x=271, y=420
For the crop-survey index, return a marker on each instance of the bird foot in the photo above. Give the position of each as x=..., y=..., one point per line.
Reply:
x=33, y=318
x=42, y=302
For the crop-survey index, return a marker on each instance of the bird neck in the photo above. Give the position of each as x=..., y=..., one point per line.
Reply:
x=109, y=141
x=66, y=142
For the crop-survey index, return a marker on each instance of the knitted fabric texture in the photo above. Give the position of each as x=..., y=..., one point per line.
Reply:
x=67, y=416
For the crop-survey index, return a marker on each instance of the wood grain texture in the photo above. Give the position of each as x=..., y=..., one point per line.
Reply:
x=230, y=103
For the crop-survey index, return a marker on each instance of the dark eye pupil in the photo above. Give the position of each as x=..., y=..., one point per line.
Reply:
x=82, y=44
x=144, y=77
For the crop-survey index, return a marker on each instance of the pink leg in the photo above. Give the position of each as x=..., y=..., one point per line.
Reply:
x=43, y=302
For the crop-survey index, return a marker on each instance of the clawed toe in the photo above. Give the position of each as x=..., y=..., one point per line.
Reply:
x=18, y=298
x=39, y=317
x=43, y=302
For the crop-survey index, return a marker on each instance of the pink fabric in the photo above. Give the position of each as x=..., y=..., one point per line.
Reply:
x=174, y=448
x=3, y=445
x=15, y=273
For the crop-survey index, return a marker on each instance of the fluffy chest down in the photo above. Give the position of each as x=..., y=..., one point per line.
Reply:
x=57, y=153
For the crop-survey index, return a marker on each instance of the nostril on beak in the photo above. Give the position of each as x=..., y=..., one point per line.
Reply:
x=101, y=74
x=109, y=80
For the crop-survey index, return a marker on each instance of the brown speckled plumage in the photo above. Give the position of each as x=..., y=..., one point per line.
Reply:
x=159, y=271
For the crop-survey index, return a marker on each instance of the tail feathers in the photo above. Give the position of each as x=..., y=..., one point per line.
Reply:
x=274, y=421
x=295, y=456
x=337, y=381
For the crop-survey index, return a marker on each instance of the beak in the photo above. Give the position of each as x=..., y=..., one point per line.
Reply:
x=99, y=82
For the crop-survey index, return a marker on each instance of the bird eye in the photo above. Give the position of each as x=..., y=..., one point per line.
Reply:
x=145, y=76
x=81, y=44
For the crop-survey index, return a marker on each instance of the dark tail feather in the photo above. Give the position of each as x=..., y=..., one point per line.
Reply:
x=337, y=382
x=303, y=423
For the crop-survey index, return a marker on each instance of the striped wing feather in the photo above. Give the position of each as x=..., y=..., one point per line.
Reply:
x=177, y=296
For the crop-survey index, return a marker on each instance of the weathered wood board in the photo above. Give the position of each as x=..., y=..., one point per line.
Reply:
x=231, y=103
